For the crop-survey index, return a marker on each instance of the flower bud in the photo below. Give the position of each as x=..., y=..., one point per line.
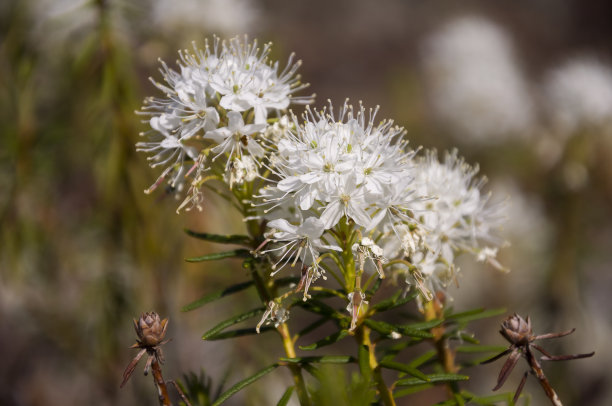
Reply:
x=516, y=329
x=150, y=329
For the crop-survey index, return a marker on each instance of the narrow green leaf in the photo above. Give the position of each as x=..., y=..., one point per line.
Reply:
x=489, y=400
x=476, y=314
x=331, y=339
x=386, y=329
x=244, y=383
x=425, y=325
x=405, y=368
x=217, y=295
x=411, y=332
x=417, y=362
x=238, y=333
x=433, y=378
x=380, y=327
x=321, y=308
x=393, y=302
x=375, y=287
x=459, y=399
x=286, y=396
x=230, y=322
x=222, y=239
x=325, y=359
x=469, y=338
x=409, y=390
x=364, y=362
x=239, y=253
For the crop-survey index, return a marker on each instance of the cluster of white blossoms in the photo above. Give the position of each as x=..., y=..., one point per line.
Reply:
x=206, y=104
x=416, y=212
x=338, y=190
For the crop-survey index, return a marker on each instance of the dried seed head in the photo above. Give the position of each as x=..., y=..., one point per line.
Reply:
x=150, y=329
x=517, y=330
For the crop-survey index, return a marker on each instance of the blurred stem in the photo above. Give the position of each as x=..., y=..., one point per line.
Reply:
x=362, y=336
x=300, y=386
x=434, y=310
x=162, y=390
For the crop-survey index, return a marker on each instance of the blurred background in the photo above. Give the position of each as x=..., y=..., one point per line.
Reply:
x=523, y=88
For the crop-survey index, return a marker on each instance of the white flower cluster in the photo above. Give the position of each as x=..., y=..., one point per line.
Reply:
x=207, y=102
x=341, y=190
x=334, y=169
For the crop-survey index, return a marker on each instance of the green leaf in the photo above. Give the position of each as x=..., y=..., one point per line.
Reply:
x=405, y=368
x=222, y=239
x=244, y=383
x=393, y=302
x=239, y=253
x=217, y=295
x=325, y=359
x=239, y=333
x=370, y=292
x=432, y=378
x=230, y=322
x=364, y=363
x=489, y=400
x=425, y=325
x=315, y=306
x=286, y=396
x=476, y=314
x=331, y=339
x=386, y=329
x=417, y=362
x=412, y=389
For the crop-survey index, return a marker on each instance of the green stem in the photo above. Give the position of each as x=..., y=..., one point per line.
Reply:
x=373, y=370
x=266, y=292
x=433, y=310
x=298, y=379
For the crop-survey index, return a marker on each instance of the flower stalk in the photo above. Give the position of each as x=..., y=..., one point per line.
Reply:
x=433, y=310
x=162, y=390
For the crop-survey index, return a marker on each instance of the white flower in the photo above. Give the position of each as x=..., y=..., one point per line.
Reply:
x=300, y=242
x=236, y=137
x=458, y=218
x=580, y=93
x=347, y=200
x=211, y=85
x=338, y=166
x=245, y=80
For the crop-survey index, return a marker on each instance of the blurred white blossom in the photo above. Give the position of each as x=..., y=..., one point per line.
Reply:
x=476, y=87
x=228, y=17
x=579, y=93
